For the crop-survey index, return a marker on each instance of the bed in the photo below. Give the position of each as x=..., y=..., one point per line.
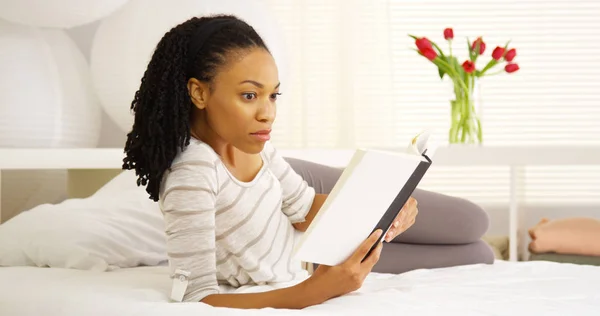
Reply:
x=504, y=288
x=136, y=281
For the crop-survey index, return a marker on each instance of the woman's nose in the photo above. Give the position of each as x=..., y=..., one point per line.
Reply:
x=267, y=112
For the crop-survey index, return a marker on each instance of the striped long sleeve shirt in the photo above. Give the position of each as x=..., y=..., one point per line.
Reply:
x=222, y=231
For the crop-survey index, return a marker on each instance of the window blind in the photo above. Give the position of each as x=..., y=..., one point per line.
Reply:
x=355, y=81
x=338, y=92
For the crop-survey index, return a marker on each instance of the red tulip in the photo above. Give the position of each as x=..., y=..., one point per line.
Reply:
x=448, y=33
x=423, y=43
x=468, y=66
x=497, y=53
x=429, y=53
x=481, y=45
x=510, y=55
x=510, y=68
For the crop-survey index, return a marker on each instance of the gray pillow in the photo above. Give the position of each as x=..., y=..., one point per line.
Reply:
x=400, y=257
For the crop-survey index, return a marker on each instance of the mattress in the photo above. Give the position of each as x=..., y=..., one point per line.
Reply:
x=503, y=288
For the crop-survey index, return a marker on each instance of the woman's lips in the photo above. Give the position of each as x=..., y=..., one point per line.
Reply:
x=263, y=135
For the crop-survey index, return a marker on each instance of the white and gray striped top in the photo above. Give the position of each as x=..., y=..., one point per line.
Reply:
x=227, y=232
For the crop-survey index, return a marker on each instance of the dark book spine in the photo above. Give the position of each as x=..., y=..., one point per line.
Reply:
x=393, y=210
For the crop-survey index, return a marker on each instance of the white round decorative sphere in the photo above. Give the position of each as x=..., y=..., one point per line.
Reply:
x=57, y=13
x=125, y=42
x=46, y=95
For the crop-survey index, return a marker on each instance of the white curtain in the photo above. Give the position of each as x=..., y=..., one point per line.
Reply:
x=356, y=82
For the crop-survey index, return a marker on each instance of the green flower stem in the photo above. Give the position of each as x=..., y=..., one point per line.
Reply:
x=465, y=125
x=450, y=71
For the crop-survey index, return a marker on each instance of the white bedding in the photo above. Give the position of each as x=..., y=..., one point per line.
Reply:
x=505, y=288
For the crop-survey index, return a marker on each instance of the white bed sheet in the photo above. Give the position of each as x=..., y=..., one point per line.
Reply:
x=504, y=288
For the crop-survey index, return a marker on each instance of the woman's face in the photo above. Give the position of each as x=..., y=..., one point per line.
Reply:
x=240, y=108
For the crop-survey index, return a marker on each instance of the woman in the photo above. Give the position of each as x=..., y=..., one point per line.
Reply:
x=200, y=145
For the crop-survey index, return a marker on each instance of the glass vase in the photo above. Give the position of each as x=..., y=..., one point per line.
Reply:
x=465, y=123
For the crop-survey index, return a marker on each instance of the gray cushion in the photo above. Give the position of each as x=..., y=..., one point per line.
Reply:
x=400, y=258
x=445, y=220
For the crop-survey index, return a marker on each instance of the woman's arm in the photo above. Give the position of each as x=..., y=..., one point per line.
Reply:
x=314, y=209
x=295, y=297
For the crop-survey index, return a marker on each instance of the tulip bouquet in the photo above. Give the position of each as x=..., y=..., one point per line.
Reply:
x=465, y=123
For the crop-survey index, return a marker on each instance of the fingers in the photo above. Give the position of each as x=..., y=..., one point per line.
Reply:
x=366, y=245
x=412, y=222
x=413, y=200
x=404, y=221
x=408, y=209
x=373, y=257
x=406, y=224
x=395, y=226
x=390, y=235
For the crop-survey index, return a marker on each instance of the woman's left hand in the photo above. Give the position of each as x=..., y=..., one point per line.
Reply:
x=404, y=220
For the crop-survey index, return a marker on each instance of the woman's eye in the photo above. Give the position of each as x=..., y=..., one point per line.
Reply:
x=249, y=96
x=274, y=96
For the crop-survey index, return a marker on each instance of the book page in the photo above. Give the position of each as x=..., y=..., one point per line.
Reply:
x=358, y=201
x=422, y=144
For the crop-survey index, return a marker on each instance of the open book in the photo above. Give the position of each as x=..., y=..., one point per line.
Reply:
x=368, y=196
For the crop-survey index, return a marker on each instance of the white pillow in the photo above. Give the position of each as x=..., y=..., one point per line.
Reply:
x=117, y=227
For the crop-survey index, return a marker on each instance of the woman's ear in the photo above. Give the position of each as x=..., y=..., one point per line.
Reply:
x=199, y=92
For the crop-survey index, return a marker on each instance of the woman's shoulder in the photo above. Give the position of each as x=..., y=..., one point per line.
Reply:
x=197, y=160
x=194, y=166
x=196, y=152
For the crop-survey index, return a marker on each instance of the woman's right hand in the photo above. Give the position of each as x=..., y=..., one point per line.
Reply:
x=325, y=283
x=334, y=281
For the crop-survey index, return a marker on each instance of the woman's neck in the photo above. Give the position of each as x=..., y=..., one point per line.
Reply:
x=201, y=131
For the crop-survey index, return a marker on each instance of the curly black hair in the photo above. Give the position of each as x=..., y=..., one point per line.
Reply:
x=163, y=106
